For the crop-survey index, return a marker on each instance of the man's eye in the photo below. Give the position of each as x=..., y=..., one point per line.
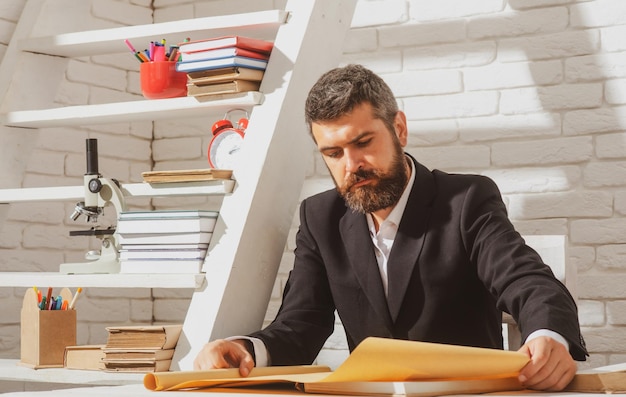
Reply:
x=334, y=154
x=363, y=143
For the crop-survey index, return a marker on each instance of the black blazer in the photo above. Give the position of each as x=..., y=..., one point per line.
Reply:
x=455, y=265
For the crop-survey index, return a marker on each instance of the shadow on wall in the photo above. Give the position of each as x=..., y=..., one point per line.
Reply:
x=535, y=108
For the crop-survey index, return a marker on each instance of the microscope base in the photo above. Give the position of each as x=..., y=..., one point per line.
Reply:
x=101, y=265
x=107, y=259
x=89, y=268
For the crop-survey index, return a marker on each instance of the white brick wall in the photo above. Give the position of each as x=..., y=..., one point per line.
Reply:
x=531, y=93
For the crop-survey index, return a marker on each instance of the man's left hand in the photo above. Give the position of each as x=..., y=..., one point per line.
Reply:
x=550, y=368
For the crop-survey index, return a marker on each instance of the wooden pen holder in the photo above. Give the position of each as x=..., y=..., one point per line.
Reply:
x=45, y=333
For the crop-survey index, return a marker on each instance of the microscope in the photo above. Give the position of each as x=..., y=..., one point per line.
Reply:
x=99, y=192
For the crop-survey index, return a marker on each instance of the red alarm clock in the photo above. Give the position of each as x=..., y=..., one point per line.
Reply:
x=226, y=142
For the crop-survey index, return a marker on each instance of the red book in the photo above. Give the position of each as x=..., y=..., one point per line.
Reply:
x=247, y=43
x=222, y=53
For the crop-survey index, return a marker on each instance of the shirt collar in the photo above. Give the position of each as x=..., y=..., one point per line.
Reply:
x=396, y=213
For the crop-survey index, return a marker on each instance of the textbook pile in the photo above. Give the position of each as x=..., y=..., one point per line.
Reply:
x=140, y=348
x=169, y=241
x=223, y=65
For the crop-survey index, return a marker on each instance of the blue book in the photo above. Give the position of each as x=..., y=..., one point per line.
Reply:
x=207, y=64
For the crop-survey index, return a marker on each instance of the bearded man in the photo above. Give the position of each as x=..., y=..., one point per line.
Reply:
x=403, y=252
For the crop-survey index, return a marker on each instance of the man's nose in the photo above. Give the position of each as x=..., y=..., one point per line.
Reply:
x=353, y=162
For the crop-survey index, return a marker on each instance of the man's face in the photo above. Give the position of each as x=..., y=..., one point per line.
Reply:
x=365, y=160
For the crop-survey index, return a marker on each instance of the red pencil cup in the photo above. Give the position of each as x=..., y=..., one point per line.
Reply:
x=161, y=80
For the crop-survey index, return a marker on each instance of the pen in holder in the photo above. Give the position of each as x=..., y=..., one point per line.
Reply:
x=159, y=79
x=45, y=329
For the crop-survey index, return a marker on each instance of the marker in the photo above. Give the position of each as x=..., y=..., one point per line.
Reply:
x=38, y=292
x=142, y=56
x=58, y=303
x=130, y=46
x=159, y=53
x=73, y=302
x=173, y=54
x=42, y=305
x=48, y=299
x=64, y=305
x=132, y=49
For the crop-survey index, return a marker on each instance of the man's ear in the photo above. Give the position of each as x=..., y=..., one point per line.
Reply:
x=402, y=131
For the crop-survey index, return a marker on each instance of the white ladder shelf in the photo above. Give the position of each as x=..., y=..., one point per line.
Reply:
x=255, y=218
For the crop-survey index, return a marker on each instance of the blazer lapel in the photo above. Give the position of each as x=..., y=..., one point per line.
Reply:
x=358, y=243
x=409, y=240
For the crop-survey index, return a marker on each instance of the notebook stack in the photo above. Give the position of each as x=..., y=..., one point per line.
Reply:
x=140, y=348
x=223, y=65
x=169, y=241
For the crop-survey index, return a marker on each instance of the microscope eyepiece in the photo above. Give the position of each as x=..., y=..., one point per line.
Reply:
x=92, y=156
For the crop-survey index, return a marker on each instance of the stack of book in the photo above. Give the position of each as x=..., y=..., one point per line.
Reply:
x=169, y=241
x=140, y=348
x=223, y=65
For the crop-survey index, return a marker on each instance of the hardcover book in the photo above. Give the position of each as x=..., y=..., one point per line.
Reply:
x=143, y=336
x=151, y=247
x=222, y=53
x=166, y=214
x=120, y=355
x=138, y=366
x=166, y=222
x=235, y=61
x=160, y=266
x=130, y=254
x=224, y=74
x=86, y=357
x=222, y=88
x=609, y=379
x=248, y=43
x=164, y=238
x=207, y=174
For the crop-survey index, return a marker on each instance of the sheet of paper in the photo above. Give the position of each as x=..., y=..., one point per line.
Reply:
x=375, y=359
x=405, y=361
x=229, y=377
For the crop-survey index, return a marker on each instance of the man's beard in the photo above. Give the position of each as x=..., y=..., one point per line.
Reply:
x=383, y=193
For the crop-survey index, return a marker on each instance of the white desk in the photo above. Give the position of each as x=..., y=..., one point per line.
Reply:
x=96, y=391
x=139, y=391
x=10, y=371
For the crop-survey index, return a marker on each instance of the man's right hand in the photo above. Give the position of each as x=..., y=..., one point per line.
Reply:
x=223, y=353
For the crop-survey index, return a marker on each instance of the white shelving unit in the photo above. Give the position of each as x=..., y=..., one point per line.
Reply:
x=216, y=187
x=156, y=109
x=28, y=279
x=256, y=215
x=134, y=190
x=262, y=24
